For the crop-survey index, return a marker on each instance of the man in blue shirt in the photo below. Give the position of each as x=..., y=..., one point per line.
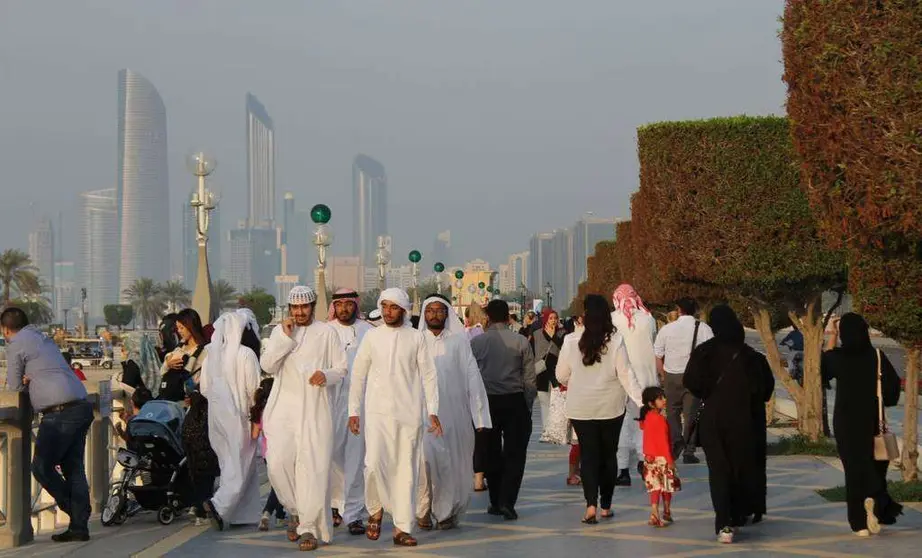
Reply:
x=35, y=363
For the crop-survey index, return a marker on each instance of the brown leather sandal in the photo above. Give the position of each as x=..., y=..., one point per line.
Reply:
x=337, y=519
x=292, y=530
x=404, y=539
x=356, y=527
x=308, y=543
x=424, y=523
x=373, y=530
x=449, y=523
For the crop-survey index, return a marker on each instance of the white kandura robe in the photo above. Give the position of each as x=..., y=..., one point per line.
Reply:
x=298, y=422
x=445, y=478
x=347, y=479
x=402, y=386
x=639, y=344
x=230, y=395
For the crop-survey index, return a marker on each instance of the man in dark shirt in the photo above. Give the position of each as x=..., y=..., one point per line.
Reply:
x=35, y=363
x=507, y=364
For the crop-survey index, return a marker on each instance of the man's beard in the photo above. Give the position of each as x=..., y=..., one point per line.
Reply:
x=395, y=321
x=346, y=318
x=436, y=324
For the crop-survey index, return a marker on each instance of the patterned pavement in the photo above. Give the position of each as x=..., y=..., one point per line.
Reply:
x=799, y=523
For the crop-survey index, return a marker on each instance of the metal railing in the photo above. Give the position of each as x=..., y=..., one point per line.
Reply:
x=25, y=508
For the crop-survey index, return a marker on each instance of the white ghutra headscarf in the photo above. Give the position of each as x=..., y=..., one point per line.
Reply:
x=219, y=371
x=453, y=325
x=398, y=297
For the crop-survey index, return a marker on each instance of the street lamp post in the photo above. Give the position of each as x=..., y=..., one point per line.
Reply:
x=415, y=257
x=201, y=165
x=83, y=310
x=549, y=291
x=323, y=238
x=383, y=257
x=459, y=284
x=439, y=267
x=524, y=292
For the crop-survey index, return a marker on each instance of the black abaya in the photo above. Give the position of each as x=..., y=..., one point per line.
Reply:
x=735, y=382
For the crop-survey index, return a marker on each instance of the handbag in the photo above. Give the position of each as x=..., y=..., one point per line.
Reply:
x=885, y=446
x=541, y=364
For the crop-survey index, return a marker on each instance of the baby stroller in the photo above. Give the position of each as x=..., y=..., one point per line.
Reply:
x=155, y=448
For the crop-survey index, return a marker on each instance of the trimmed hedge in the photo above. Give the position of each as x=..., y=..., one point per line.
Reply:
x=854, y=76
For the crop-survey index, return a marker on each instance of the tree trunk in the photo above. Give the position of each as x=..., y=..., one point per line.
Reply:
x=763, y=323
x=811, y=325
x=910, y=457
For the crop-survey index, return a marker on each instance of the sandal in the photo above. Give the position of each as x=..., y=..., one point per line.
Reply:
x=667, y=518
x=308, y=543
x=292, y=530
x=607, y=514
x=337, y=519
x=404, y=539
x=592, y=520
x=655, y=521
x=424, y=523
x=356, y=527
x=373, y=531
x=449, y=523
x=574, y=480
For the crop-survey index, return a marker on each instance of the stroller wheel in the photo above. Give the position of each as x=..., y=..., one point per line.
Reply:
x=166, y=515
x=113, y=511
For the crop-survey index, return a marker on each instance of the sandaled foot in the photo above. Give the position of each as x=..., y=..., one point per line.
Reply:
x=373, y=531
x=292, y=531
x=337, y=519
x=424, y=523
x=449, y=523
x=404, y=539
x=655, y=521
x=607, y=514
x=263, y=524
x=357, y=527
x=308, y=543
x=667, y=518
x=574, y=480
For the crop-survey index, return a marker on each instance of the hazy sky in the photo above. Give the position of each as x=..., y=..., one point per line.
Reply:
x=493, y=118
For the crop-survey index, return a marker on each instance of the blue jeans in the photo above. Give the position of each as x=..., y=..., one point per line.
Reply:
x=61, y=441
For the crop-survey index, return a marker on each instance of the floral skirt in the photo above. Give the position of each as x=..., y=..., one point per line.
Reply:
x=658, y=477
x=559, y=430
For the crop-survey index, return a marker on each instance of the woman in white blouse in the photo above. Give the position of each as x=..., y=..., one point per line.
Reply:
x=594, y=366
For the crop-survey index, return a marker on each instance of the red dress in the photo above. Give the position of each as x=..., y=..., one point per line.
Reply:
x=658, y=474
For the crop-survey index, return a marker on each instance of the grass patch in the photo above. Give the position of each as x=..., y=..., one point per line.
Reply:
x=799, y=444
x=899, y=491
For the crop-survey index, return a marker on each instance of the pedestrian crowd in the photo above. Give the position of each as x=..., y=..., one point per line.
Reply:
x=354, y=419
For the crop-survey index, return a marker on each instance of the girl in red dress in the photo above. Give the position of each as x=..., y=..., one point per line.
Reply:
x=659, y=466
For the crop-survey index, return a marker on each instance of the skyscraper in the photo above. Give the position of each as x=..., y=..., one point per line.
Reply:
x=65, y=289
x=190, y=242
x=41, y=251
x=143, y=187
x=587, y=232
x=369, y=207
x=540, y=262
x=260, y=165
x=97, y=271
x=255, y=259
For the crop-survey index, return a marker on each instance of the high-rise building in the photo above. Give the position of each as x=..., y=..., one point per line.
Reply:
x=65, y=289
x=296, y=235
x=190, y=242
x=255, y=259
x=441, y=252
x=369, y=207
x=518, y=270
x=260, y=166
x=540, y=262
x=561, y=271
x=587, y=232
x=97, y=269
x=42, y=253
x=143, y=192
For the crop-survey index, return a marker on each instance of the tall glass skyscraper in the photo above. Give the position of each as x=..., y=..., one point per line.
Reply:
x=97, y=271
x=143, y=194
x=42, y=253
x=260, y=166
x=369, y=207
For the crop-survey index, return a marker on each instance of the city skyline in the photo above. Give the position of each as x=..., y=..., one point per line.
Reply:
x=143, y=194
x=369, y=207
x=260, y=147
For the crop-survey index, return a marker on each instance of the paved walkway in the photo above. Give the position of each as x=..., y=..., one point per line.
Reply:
x=799, y=523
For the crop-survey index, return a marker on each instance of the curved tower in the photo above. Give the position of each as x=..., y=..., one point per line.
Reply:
x=143, y=185
x=369, y=207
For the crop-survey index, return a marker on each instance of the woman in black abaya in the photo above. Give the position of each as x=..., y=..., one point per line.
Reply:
x=853, y=366
x=734, y=382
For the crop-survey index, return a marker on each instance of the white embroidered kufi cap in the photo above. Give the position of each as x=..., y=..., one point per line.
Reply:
x=301, y=294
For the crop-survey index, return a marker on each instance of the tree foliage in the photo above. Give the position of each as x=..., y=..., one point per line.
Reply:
x=145, y=297
x=854, y=81
x=225, y=295
x=18, y=275
x=118, y=315
x=37, y=309
x=175, y=294
x=260, y=302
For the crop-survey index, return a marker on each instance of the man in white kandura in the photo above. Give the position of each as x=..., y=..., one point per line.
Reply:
x=637, y=327
x=347, y=480
x=306, y=357
x=229, y=378
x=402, y=384
x=445, y=476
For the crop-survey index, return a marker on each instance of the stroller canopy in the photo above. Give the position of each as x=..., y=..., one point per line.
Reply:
x=159, y=419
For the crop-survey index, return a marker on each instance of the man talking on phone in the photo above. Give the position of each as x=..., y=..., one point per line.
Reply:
x=306, y=357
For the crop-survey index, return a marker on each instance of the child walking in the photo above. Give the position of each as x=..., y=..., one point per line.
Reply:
x=659, y=466
x=273, y=506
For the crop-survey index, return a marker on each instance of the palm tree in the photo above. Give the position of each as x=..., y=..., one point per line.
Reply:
x=144, y=296
x=175, y=295
x=37, y=309
x=224, y=293
x=18, y=274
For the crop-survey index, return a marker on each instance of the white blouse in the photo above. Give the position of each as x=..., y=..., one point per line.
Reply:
x=600, y=391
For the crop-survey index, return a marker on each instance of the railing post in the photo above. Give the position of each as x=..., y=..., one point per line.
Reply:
x=18, y=529
x=97, y=457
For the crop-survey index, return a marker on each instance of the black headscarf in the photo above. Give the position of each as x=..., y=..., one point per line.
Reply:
x=853, y=331
x=726, y=326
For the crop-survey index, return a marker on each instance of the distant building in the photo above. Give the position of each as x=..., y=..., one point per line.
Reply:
x=42, y=253
x=369, y=207
x=260, y=165
x=588, y=232
x=255, y=259
x=346, y=272
x=297, y=235
x=142, y=192
x=65, y=289
x=97, y=270
x=540, y=262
